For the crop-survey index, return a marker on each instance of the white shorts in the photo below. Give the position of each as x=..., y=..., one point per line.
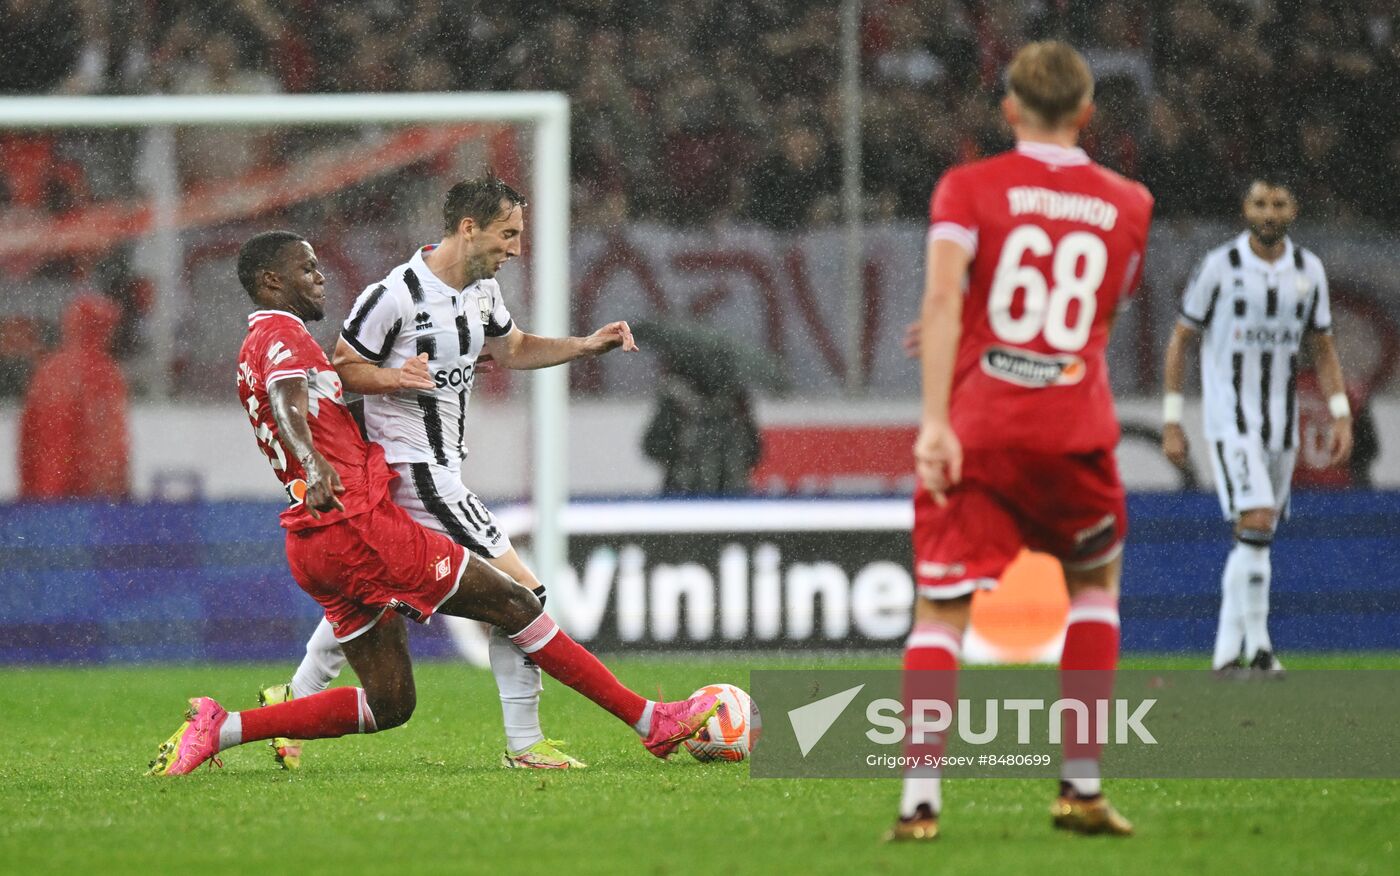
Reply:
x=435, y=496
x=1248, y=477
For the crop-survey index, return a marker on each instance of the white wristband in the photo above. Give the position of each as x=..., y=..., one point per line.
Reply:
x=1172, y=405
x=1339, y=406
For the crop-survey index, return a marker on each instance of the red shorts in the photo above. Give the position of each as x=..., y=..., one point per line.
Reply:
x=362, y=566
x=1069, y=506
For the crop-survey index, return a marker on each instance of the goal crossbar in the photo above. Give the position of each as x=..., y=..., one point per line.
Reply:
x=279, y=109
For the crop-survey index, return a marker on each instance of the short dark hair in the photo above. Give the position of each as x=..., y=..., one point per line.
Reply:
x=259, y=253
x=1273, y=177
x=480, y=199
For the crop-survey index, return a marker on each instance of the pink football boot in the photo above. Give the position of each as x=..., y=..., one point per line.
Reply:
x=674, y=723
x=193, y=742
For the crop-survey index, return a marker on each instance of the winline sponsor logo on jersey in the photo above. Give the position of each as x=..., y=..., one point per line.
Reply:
x=1035, y=370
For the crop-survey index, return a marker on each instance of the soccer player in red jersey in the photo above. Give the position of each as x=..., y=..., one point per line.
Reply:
x=361, y=556
x=1030, y=254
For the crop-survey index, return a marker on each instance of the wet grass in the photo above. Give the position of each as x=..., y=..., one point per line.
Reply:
x=431, y=797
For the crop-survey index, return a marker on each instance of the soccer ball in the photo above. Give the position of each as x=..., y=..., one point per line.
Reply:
x=733, y=730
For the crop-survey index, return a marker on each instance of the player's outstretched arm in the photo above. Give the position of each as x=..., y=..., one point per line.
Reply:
x=358, y=374
x=1174, y=443
x=937, y=451
x=289, y=405
x=610, y=337
x=1329, y=375
x=522, y=351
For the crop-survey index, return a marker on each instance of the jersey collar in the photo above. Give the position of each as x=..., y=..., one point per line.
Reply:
x=260, y=315
x=1049, y=153
x=420, y=267
x=1251, y=257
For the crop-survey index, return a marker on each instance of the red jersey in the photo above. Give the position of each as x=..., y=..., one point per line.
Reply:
x=1057, y=244
x=278, y=346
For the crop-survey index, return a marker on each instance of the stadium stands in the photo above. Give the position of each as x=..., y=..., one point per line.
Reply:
x=696, y=111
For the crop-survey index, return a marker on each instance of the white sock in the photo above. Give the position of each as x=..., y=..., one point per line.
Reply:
x=519, y=683
x=922, y=785
x=323, y=661
x=1258, y=572
x=643, y=725
x=1229, y=634
x=231, y=733
x=1083, y=776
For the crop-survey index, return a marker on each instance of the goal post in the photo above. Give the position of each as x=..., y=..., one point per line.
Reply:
x=547, y=113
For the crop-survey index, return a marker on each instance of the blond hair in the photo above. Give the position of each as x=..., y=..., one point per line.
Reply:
x=1051, y=81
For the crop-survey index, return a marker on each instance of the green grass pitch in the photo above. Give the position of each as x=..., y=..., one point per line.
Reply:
x=431, y=798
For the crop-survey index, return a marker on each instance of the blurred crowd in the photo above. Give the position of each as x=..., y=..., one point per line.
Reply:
x=694, y=112
x=699, y=111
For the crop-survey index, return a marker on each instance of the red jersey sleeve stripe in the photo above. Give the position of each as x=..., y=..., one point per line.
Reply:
x=959, y=234
x=284, y=374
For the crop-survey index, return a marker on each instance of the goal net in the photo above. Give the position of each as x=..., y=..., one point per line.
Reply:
x=147, y=199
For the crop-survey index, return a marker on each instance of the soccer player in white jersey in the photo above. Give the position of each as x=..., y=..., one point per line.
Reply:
x=410, y=345
x=1252, y=302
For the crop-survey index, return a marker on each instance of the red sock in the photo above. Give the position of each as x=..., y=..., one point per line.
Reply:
x=566, y=660
x=1087, y=665
x=335, y=712
x=931, y=673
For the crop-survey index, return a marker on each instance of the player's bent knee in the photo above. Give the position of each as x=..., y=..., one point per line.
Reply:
x=522, y=607
x=1255, y=527
x=1256, y=518
x=955, y=611
x=392, y=709
x=1107, y=576
x=503, y=602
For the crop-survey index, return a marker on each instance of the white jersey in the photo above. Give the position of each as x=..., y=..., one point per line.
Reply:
x=411, y=312
x=1253, y=315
